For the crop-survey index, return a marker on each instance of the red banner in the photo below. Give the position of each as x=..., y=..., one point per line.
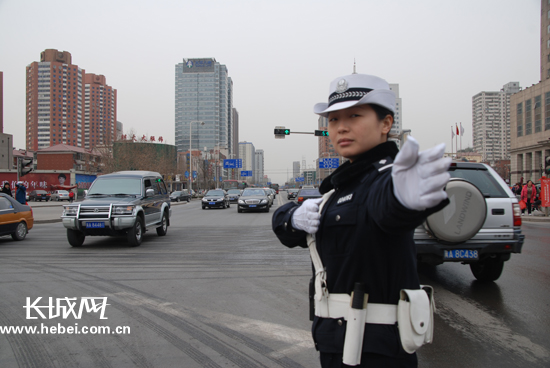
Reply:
x=545, y=192
x=47, y=182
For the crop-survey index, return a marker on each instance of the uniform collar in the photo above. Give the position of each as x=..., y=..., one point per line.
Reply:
x=347, y=172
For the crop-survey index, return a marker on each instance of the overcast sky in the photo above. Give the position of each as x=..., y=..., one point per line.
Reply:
x=281, y=56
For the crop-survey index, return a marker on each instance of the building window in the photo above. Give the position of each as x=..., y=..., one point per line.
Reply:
x=528, y=117
x=538, y=114
x=520, y=119
x=547, y=111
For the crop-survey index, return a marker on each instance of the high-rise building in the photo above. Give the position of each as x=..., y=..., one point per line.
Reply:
x=1, y=102
x=295, y=170
x=491, y=123
x=259, y=167
x=235, y=134
x=326, y=149
x=204, y=94
x=65, y=106
x=99, y=112
x=397, y=126
x=247, y=152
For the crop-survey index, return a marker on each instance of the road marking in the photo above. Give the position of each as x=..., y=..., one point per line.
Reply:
x=482, y=326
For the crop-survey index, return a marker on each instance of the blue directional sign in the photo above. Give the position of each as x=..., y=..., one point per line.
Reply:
x=299, y=180
x=235, y=163
x=221, y=179
x=187, y=174
x=246, y=173
x=194, y=174
x=329, y=163
x=214, y=178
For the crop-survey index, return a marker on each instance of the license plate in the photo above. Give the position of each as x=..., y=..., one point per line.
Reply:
x=460, y=254
x=95, y=225
x=252, y=205
x=211, y=202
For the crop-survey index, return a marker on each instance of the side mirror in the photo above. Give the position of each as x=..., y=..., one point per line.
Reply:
x=149, y=193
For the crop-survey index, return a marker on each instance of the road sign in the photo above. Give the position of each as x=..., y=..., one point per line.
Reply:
x=246, y=173
x=187, y=175
x=329, y=163
x=194, y=174
x=299, y=180
x=233, y=163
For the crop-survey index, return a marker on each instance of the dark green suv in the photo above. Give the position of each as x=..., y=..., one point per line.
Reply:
x=121, y=203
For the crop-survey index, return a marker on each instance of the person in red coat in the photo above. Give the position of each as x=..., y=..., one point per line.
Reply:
x=528, y=195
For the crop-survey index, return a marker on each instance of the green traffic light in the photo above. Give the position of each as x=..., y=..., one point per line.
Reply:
x=287, y=131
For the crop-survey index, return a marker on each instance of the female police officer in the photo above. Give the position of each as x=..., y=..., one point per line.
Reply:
x=364, y=233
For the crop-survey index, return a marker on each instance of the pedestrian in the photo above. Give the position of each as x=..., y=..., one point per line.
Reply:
x=6, y=189
x=71, y=196
x=21, y=193
x=528, y=195
x=363, y=236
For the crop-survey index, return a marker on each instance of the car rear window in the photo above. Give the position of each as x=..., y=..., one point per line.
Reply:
x=482, y=179
x=309, y=192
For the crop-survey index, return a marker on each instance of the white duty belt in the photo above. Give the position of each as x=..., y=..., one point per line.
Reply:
x=337, y=305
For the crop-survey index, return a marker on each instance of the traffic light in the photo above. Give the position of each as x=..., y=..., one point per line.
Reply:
x=547, y=166
x=321, y=133
x=25, y=166
x=283, y=131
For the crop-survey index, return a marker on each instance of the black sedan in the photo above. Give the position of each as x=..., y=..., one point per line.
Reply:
x=180, y=195
x=291, y=193
x=39, y=195
x=234, y=195
x=215, y=198
x=307, y=193
x=253, y=199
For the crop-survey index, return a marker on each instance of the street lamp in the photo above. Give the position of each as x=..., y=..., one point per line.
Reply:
x=191, y=155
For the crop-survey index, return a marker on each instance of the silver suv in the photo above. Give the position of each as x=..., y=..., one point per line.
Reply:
x=121, y=203
x=489, y=247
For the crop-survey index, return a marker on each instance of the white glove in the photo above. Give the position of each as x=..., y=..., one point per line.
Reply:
x=419, y=178
x=307, y=216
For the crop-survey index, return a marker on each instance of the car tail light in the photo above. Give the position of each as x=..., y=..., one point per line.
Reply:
x=517, y=214
x=300, y=199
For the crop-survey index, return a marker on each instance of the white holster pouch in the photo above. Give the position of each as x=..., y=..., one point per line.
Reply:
x=415, y=317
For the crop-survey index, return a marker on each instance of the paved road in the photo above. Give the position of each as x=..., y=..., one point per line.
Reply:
x=220, y=291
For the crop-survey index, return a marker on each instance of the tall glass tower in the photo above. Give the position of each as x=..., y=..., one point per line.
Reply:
x=204, y=106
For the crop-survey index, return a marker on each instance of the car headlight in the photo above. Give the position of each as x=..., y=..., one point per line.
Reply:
x=205, y=200
x=70, y=210
x=264, y=201
x=123, y=210
x=241, y=201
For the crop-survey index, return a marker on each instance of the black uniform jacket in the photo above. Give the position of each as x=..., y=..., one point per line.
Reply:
x=365, y=235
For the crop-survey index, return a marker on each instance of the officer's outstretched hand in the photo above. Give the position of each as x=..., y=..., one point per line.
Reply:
x=419, y=178
x=306, y=217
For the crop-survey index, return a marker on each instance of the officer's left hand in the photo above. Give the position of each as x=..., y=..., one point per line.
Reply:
x=419, y=178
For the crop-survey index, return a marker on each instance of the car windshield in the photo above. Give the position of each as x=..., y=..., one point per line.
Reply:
x=310, y=192
x=253, y=192
x=176, y=193
x=482, y=179
x=109, y=186
x=233, y=191
x=215, y=193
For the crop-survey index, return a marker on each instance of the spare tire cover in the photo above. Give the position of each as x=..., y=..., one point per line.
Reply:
x=463, y=217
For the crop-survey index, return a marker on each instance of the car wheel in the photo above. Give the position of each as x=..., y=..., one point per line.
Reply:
x=163, y=229
x=224, y=206
x=188, y=199
x=135, y=234
x=177, y=199
x=20, y=231
x=266, y=209
x=487, y=270
x=75, y=237
x=203, y=207
x=239, y=210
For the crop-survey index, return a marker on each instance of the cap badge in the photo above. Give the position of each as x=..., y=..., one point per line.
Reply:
x=342, y=86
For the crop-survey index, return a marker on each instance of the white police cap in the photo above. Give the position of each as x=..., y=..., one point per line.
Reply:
x=356, y=89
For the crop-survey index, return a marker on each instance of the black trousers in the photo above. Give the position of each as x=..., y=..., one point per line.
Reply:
x=370, y=360
x=528, y=203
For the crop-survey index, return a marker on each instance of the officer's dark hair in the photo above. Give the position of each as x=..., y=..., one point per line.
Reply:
x=381, y=113
x=62, y=176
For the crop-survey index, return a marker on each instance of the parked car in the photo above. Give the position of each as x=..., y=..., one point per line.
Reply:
x=291, y=193
x=180, y=195
x=39, y=195
x=253, y=199
x=215, y=198
x=499, y=234
x=16, y=219
x=234, y=195
x=307, y=193
x=121, y=203
x=60, y=195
